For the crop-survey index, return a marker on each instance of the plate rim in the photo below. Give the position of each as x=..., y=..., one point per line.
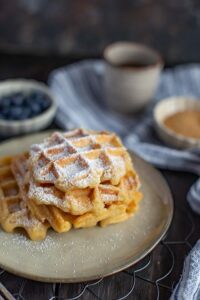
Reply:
x=117, y=269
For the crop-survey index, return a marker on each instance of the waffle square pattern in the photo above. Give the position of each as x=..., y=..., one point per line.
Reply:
x=76, y=179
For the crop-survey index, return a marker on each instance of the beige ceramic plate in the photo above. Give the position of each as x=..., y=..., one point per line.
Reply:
x=87, y=254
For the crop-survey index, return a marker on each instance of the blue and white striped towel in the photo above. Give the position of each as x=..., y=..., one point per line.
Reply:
x=81, y=103
x=188, y=287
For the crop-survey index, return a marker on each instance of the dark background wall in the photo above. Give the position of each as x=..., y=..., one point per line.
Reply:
x=82, y=28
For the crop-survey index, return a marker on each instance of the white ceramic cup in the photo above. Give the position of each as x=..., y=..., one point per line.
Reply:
x=131, y=75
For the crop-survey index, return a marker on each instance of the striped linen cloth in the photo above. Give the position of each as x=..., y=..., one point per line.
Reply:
x=188, y=287
x=79, y=92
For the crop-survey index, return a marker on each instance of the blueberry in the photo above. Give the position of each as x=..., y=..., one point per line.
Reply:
x=45, y=104
x=22, y=118
x=39, y=103
x=35, y=108
x=35, y=94
x=16, y=113
x=38, y=96
x=26, y=102
x=5, y=102
x=41, y=100
x=5, y=111
x=26, y=113
x=17, y=99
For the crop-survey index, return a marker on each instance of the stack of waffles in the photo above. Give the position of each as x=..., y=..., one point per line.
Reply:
x=75, y=179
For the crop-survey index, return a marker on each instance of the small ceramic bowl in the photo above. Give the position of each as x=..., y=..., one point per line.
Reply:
x=170, y=106
x=11, y=128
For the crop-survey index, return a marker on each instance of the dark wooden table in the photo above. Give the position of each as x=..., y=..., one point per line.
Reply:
x=166, y=259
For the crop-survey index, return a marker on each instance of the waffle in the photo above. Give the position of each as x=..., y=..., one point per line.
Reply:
x=14, y=213
x=76, y=201
x=110, y=204
x=80, y=201
x=79, y=159
x=56, y=218
x=76, y=179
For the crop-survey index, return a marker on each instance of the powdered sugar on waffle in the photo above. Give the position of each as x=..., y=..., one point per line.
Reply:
x=79, y=159
x=24, y=220
x=47, y=195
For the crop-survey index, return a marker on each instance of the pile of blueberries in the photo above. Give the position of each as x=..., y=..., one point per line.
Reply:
x=21, y=106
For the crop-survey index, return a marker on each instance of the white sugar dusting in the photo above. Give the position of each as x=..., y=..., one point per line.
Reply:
x=20, y=241
x=46, y=195
x=89, y=153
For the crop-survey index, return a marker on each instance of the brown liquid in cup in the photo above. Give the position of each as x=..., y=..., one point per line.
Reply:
x=134, y=65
